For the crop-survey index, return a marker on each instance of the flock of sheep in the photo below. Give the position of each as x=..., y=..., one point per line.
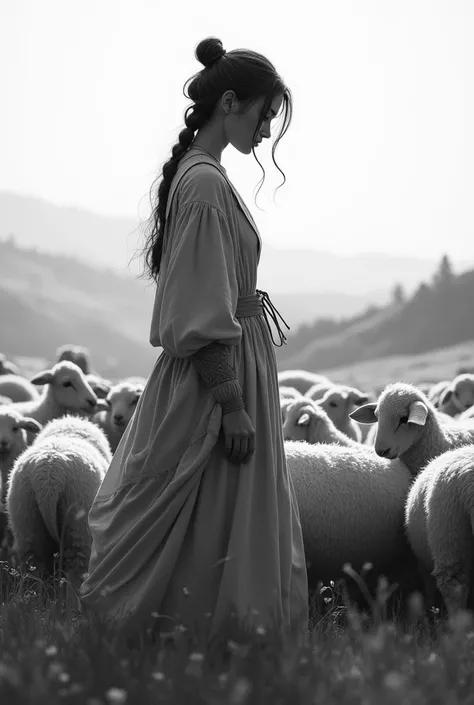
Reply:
x=398, y=496
x=55, y=447
x=385, y=481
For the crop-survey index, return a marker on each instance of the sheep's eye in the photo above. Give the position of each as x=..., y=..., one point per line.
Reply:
x=404, y=419
x=135, y=401
x=67, y=384
x=15, y=429
x=333, y=404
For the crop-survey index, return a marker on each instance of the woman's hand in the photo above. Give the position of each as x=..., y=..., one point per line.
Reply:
x=239, y=436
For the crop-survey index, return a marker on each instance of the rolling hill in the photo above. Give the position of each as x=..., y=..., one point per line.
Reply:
x=434, y=317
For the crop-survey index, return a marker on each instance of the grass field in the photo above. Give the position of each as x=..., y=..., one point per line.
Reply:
x=50, y=654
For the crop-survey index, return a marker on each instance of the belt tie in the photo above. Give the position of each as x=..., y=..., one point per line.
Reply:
x=260, y=304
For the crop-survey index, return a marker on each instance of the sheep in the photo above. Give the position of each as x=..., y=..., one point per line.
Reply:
x=13, y=441
x=338, y=402
x=116, y=410
x=438, y=521
x=409, y=427
x=7, y=367
x=458, y=396
x=307, y=421
x=51, y=489
x=351, y=505
x=436, y=391
x=18, y=388
x=77, y=354
x=66, y=391
x=301, y=380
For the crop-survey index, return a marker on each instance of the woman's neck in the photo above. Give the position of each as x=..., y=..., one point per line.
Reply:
x=211, y=142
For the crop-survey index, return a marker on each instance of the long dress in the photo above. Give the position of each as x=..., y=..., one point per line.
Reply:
x=177, y=529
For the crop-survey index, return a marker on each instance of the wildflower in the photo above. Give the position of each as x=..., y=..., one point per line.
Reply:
x=81, y=513
x=64, y=677
x=186, y=592
x=432, y=658
x=196, y=657
x=117, y=696
x=260, y=630
x=158, y=676
x=51, y=650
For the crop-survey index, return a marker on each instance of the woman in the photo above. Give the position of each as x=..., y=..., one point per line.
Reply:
x=196, y=518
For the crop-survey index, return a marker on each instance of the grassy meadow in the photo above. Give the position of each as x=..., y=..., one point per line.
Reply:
x=50, y=653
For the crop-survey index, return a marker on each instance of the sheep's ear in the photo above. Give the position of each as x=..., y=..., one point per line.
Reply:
x=45, y=377
x=304, y=419
x=365, y=414
x=30, y=425
x=418, y=413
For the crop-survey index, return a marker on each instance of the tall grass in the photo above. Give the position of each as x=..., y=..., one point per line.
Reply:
x=51, y=653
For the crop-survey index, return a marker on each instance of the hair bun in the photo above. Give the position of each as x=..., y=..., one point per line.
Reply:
x=209, y=50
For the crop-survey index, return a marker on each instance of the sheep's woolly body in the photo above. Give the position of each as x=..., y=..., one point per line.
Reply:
x=306, y=421
x=17, y=388
x=301, y=380
x=51, y=489
x=351, y=506
x=439, y=521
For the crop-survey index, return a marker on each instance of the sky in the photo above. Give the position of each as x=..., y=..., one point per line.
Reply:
x=379, y=156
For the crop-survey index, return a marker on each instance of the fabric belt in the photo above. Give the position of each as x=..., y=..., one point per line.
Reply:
x=259, y=304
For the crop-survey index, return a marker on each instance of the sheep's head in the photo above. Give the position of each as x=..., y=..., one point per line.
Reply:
x=306, y=421
x=460, y=393
x=13, y=431
x=121, y=403
x=340, y=401
x=69, y=386
x=401, y=412
x=75, y=353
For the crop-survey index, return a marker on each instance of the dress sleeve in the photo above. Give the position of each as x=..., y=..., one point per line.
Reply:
x=199, y=290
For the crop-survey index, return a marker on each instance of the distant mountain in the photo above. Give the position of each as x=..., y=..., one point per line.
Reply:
x=435, y=316
x=111, y=242
x=47, y=300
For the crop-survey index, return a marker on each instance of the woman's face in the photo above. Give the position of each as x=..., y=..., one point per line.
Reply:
x=240, y=124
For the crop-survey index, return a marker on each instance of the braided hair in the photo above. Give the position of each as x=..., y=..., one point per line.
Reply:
x=250, y=75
